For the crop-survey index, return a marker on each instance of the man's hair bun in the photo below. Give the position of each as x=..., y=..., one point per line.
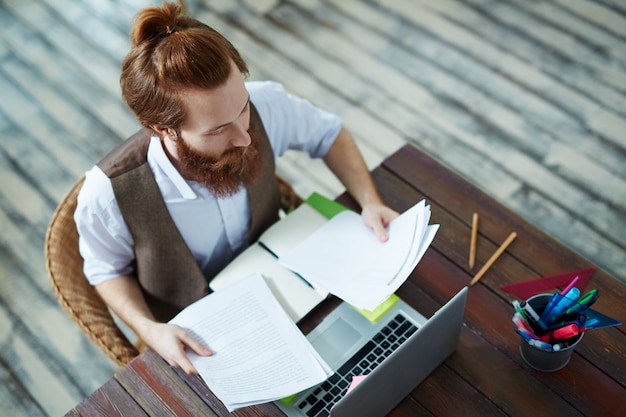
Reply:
x=155, y=22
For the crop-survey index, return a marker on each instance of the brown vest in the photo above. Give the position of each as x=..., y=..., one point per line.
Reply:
x=165, y=267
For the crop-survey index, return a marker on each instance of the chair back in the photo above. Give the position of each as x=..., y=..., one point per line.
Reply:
x=77, y=297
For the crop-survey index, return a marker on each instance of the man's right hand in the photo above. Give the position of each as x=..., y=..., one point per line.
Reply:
x=124, y=297
x=170, y=342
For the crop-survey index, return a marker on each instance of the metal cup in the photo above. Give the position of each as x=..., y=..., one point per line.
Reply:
x=542, y=359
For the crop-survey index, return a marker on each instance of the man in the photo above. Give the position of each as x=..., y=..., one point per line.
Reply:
x=161, y=215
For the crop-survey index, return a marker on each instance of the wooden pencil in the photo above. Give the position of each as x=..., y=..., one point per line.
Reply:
x=493, y=258
x=472, y=253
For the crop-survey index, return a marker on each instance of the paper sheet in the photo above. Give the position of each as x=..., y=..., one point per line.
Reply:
x=346, y=258
x=260, y=355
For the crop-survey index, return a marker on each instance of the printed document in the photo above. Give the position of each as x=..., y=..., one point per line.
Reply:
x=346, y=258
x=259, y=353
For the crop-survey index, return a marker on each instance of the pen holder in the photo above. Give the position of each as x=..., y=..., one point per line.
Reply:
x=540, y=358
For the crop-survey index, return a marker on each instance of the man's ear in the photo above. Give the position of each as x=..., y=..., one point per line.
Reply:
x=165, y=132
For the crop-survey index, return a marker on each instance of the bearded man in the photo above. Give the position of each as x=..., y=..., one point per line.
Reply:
x=166, y=210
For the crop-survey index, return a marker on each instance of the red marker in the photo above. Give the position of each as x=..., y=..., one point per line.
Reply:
x=564, y=332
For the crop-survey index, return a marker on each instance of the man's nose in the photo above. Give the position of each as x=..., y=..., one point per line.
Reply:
x=241, y=136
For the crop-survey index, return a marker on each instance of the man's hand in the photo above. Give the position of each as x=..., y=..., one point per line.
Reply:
x=124, y=297
x=346, y=162
x=170, y=341
x=377, y=217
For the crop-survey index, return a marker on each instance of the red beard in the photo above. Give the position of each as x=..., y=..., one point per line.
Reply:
x=225, y=175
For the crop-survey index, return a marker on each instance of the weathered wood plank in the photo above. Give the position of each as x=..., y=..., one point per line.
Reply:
x=101, y=70
x=14, y=397
x=44, y=336
x=529, y=65
x=158, y=389
x=598, y=14
x=558, y=42
x=21, y=198
x=596, y=36
x=541, y=114
x=54, y=331
x=46, y=382
x=24, y=155
x=104, y=38
x=115, y=403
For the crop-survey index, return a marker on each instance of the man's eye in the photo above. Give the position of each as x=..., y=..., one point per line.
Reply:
x=216, y=132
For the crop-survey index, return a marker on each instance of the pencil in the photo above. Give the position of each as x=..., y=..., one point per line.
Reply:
x=493, y=258
x=472, y=254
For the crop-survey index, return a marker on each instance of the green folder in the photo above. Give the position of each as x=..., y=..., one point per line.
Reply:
x=325, y=206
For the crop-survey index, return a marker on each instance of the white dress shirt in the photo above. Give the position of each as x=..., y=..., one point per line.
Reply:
x=215, y=229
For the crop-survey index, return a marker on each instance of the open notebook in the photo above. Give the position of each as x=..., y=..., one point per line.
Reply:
x=295, y=295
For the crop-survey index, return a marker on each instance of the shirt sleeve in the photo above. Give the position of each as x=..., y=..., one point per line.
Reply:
x=104, y=242
x=292, y=122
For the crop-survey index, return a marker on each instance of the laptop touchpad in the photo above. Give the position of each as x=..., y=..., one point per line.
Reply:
x=334, y=342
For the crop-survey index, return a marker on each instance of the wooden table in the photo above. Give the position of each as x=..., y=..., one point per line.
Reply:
x=486, y=375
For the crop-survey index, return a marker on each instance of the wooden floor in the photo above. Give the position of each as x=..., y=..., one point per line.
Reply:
x=525, y=98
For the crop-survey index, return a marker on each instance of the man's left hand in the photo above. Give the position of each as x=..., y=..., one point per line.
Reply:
x=377, y=217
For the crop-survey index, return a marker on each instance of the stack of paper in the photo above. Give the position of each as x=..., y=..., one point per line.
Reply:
x=346, y=258
x=259, y=353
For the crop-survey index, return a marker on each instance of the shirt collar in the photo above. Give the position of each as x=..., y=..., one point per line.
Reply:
x=157, y=155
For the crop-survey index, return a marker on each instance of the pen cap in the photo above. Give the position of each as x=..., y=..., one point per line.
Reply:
x=537, y=355
x=566, y=332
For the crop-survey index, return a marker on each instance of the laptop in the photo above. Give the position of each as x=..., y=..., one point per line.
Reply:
x=396, y=353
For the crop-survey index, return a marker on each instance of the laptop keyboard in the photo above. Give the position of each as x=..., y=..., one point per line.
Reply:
x=324, y=396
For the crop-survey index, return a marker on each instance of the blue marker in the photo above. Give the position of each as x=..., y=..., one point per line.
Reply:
x=557, y=308
x=527, y=336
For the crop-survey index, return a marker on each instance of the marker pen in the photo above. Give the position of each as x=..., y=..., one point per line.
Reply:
x=563, y=333
x=570, y=286
x=520, y=323
x=540, y=344
x=584, y=302
x=579, y=320
x=516, y=306
x=528, y=336
x=529, y=311
x=552, y=313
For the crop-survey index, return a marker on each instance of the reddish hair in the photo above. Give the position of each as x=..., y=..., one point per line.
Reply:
x=171, y=53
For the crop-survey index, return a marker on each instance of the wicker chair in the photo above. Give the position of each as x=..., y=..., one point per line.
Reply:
x=77, y=297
